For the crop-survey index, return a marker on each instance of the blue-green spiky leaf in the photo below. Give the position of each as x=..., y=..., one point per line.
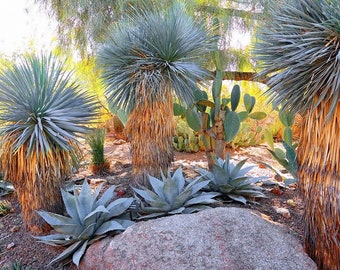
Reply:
x=170, y=191
x=179, y=179
x=157, y=186
x=108, y=226
x=119, y=206
x=79, y=253
x=154, y=49
x=37, y=101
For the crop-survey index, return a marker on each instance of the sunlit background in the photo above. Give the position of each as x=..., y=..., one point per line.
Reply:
x=23, y=27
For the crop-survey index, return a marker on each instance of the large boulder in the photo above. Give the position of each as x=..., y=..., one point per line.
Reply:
x=220, y=238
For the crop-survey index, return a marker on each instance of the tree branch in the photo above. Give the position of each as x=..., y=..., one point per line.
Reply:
x=229, y=12
x=242, y=76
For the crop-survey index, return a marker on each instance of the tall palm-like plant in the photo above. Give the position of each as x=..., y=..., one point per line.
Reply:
x=299, y=47
x=41, y=111
x=147, y=58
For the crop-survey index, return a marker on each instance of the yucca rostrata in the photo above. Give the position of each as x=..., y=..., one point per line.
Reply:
x=299, y=48
x=41, y=111
x=148, y=57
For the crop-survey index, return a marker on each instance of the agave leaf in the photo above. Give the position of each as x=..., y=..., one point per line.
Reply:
x=110, y=225
x=206, y=174
x=70, y=205
x=106, y=196
x=170, y=190
x=79, y=253
x=237, y=181
x=69, y=229
x=245, y=170
x=95, y=215
x=224, y=163
x=225, y=189
x=161, y=205
x=199, y=186
x=221, y=177
x=157, y=186
x=191, y=183
x=237, y=198
x=119, y=206
x=176, y=211
x=182, y=198
x=146, y=194
x=84, y=200
x=237, y=168
x=96, y=238
x=125, y=223
x=67, y=252
x=153, y=215
x=202, y=199
x=55, y=219
x=179, y=179
x=88, y=232
x=56, y=239
x=250, y=193
x=195, y=208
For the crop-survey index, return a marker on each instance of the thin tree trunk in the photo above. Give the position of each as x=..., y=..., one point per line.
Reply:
x=319, y=174
x=150, y=129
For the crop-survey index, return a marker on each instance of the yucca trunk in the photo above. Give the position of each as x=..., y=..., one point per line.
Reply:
x=150, y=128
x=319, y=174
x=37, y=179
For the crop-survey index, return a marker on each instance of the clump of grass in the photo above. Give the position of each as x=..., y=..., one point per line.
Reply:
x=96, y=140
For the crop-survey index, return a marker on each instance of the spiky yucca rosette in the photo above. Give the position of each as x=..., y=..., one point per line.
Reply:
x=41, y=113
x=150, y=57
x=299, y=49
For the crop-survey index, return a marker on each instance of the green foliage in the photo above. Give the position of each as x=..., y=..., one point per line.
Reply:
x=232, y=180
x=250, y=134
x=231, y=119
x=185, y=139
x=286, y=157
x=41, y=106
x=170, y=196
x=14, y=266
x=5, y=207
x=90, y=218
x=96, y=140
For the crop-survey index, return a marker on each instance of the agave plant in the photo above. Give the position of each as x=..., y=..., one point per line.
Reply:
x=42, y=111
x=232, y=181
x=170, y=196
x=89, y=219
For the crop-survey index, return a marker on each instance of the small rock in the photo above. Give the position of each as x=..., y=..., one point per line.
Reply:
x=14, y=229
x=118, y=142
x=117, y=163
x=120, y=192
x=276, y=190
x=283, y=212
x=291, y=202
x=2, y=226
x=10, y=245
